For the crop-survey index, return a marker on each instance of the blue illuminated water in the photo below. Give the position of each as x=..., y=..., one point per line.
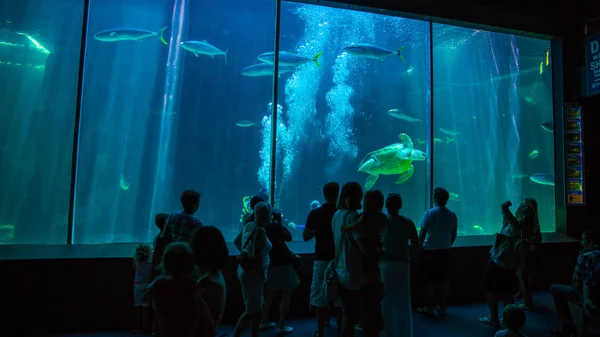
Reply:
x=157, y=119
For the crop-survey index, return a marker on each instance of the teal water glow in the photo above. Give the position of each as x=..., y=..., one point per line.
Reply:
x=157, y=119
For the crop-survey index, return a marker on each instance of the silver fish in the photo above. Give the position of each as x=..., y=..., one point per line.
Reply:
x=244, y=123
x=204, y=48
x=372, y=51
x=289, y=59
x=520, y=175
x=548, y=126
x=449, y=132
x=396, y=113
x=542, y=179
x=264, y=69
x=128, y=34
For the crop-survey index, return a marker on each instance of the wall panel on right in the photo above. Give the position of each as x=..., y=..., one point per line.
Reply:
x=493, y=125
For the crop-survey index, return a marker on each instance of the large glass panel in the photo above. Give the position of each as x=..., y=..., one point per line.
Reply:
x=167, y=108
x=39, y=63
x=351, y=83
x=492, y=125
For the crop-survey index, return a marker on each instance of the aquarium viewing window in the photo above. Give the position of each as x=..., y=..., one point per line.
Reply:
x=180, y=95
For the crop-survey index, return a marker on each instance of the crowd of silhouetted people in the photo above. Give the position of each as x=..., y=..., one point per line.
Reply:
x=361, y=270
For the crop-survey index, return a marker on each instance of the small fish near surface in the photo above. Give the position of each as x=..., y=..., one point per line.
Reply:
x=371, y=51
x=545, y=62
x=129, y=34
x=454, y=197
x=264, y=69
x=244, y=124
x=449, y=132
x=548, y=126
x=289, y=59
x=405, y=116
x=204, y=48
x=542, y=179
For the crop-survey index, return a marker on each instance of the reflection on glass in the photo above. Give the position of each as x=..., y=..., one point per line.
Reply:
x=39, y=62
x=166, y=107
x=492, y=125
x=353, y=109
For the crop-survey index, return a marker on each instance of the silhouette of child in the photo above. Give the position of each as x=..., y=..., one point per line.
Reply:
x=370, y=226
x=143, y=276
x=177, y=296
x=514, y=320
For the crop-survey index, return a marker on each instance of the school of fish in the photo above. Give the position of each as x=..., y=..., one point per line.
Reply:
x=289, y=62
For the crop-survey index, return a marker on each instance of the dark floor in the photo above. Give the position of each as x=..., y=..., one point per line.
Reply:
x=461, y=321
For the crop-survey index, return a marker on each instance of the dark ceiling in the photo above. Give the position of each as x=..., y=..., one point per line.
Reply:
x=540, y=17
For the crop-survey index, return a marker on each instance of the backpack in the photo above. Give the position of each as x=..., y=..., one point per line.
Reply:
x=247, y=258
x=507, y=248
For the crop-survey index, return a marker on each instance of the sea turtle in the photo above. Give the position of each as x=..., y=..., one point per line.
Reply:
x=392, y=159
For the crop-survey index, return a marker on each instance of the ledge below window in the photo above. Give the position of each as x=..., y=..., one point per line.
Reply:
x=125, y=250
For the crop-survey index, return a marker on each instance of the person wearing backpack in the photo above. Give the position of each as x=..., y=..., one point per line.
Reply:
x=253, y=264
x=506, y=255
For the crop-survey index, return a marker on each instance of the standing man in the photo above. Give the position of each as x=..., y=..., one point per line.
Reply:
x=318, y=225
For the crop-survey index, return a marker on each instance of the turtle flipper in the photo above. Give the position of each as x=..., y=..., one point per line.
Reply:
x=404, y=176
x=365, y=166
x=406, y=141
x=370, y=181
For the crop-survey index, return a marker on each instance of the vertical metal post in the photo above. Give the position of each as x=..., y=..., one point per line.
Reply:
x=560, y=209
x=274, y=102
x=76, y=124
x=430, y=141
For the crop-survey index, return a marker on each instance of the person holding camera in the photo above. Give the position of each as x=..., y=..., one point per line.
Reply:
x=281, y=276
x=506, y=255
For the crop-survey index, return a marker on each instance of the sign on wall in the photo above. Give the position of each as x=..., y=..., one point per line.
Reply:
x=574, y=155
x=592, y=64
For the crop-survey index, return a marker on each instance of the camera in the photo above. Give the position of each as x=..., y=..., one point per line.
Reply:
x=277, y=217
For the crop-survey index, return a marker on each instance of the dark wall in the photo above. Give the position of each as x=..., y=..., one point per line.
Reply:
x=537, y=16
x=583, y=217
x=97, y=294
